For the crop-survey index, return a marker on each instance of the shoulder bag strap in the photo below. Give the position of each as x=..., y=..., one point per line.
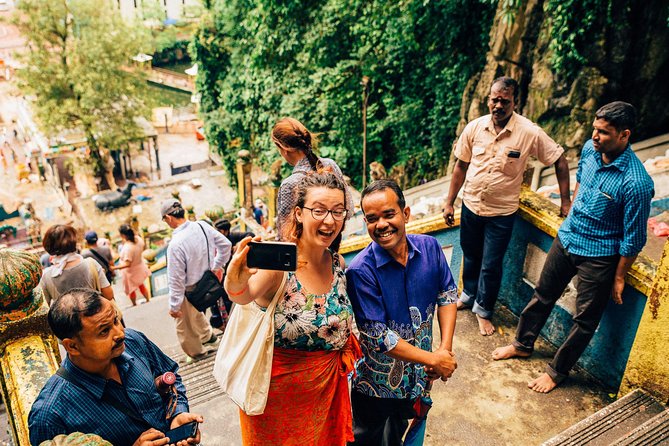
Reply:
x=277, y=295
x=207, y=240
x=63, y=373
x=94, y=272
x=98, y=256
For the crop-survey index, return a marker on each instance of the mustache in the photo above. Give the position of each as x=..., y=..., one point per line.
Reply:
x=119, y=342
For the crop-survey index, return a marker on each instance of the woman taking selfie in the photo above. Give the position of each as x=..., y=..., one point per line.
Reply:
x=314, y=350
x=296, y=145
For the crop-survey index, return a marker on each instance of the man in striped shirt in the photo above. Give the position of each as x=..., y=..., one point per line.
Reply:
x=105, y=385
x=598, y=242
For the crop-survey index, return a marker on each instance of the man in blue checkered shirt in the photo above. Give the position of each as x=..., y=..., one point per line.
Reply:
x=598, y=242
x=105, y=385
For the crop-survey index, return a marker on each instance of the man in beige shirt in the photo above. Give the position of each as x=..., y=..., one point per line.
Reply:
x=492, y=153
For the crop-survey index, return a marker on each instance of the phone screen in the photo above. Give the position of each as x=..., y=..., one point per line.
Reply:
x=183, y=432
x=280, y=256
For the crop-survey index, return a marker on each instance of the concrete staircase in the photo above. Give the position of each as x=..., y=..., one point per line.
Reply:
x=634, y=420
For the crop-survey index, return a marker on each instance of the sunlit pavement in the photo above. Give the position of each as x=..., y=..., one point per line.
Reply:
x=486, y=402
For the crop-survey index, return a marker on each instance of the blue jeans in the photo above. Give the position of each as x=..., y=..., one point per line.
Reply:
x=484, y=241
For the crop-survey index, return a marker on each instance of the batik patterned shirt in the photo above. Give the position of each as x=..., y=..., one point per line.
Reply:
x=391, y=301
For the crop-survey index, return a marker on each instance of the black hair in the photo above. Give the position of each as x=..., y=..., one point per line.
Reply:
x=222, y=224
x=178, y=213
x=384, y=184
x=66, y=312
x=127, y=232
x=508, y=82
x=619, y=114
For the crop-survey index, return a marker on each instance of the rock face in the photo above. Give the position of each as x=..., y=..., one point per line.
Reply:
x=628, y=59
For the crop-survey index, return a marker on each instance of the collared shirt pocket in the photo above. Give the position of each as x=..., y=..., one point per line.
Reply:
x=479, y=158
x=603, y=204
x=511, y=163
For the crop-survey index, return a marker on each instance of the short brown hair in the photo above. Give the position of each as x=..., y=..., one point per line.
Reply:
x=60, y=240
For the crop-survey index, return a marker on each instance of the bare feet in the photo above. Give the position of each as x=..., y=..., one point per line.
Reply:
x=486, y=328
x=508, y=351
x=543, y=384
x=461, y=305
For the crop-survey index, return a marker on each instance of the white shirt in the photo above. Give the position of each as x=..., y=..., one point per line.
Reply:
x=188, y=259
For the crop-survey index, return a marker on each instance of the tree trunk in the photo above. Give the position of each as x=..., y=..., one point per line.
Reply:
x=102, y=162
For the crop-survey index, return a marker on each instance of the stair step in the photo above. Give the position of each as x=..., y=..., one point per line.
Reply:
x=653, y=432
x=610, y=423
x=197, y=377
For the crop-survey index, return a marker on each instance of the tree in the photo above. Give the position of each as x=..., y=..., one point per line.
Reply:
x=78, y=70
x=259, y=60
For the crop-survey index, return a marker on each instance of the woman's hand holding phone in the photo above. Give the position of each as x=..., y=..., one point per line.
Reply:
x=238, y=273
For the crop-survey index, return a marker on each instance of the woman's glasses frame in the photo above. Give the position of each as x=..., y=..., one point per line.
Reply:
x=321, y=214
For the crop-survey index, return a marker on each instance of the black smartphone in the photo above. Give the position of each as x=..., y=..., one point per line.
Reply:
x=280, y=256
x=183, y=432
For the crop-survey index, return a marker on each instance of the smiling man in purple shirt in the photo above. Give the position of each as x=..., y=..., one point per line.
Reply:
x=395, y=285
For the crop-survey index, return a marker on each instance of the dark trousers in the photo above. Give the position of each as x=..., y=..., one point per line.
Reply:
x=379, y=421
x=484, y=241
x=594, y=282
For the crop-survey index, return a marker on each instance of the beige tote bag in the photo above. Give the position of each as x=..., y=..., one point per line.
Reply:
x=243, y=366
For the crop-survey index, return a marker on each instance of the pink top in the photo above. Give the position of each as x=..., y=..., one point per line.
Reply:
x=137, y=272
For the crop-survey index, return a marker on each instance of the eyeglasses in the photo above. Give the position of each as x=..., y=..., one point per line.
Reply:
x=502, y=101
x=321, y=214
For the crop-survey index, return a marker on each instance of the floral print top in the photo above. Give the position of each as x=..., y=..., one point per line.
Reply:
x=305, y=321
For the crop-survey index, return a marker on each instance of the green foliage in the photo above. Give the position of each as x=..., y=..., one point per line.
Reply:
x=165, y=39
x=508, y=9
x=260, y=60
x=170, y=49
x=77, y=69
x=152, y=10
x=575, y=26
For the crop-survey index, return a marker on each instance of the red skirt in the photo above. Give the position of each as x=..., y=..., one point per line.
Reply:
x=308, y=402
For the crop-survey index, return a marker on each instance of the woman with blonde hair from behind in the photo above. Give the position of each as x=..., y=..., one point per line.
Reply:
x=314, y=349
x=296, y=145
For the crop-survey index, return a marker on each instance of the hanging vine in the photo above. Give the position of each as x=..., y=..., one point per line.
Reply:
x=575, y=26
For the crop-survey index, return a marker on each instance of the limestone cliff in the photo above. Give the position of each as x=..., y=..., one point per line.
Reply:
x=627, y=59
